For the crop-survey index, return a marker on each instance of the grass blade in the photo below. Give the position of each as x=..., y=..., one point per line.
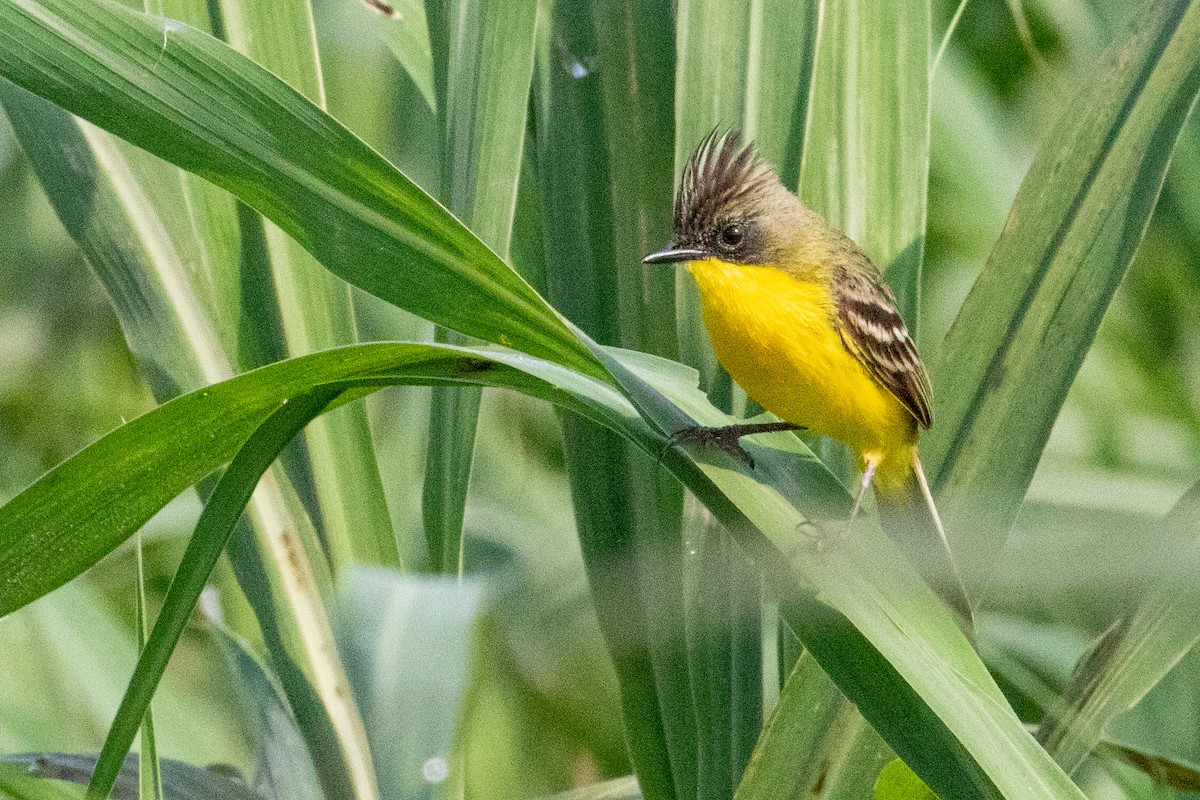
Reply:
x=1160, y=630
x=162, y=453
x=787, y=762
x=734, y=69
x=406, y=34
x=280, y=154
x=1022, y=333
x=315, y=307
x=634, y=51
x=866, y=152
x=625, y=508
x=489, y=68
x=149, y=772
x=222, y=511
x=284, y=766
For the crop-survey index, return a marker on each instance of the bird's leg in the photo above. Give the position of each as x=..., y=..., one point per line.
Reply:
x=727, y=437
x=868, y=474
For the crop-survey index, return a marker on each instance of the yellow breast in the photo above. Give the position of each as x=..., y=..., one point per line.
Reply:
x=774, y=334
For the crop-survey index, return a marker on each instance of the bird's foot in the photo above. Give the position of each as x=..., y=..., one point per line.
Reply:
x=727, y=438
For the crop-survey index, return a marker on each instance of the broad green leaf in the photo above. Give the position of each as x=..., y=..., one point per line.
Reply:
x=624, y=506
x=932, y=670
x=180, y=781
x=93, y=184
x=787, y=761
x=1022, y=333
x=221, y=513
x=314, y=306
x=1138, y=651
x=406, y=643
x=631, y=48
x=745, y=67
x=1173, y=772
x=633, y=54
x=634, y=57
x=489, y=50
x=866, y=152
x=155, y=457
x=855, y=755
x=279, y=154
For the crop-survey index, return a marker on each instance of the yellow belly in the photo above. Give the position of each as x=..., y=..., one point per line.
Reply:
x=774, y=335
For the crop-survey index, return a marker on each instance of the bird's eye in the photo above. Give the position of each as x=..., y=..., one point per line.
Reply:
x=731, y=236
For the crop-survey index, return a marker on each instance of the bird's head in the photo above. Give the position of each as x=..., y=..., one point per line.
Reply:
x=732, y=206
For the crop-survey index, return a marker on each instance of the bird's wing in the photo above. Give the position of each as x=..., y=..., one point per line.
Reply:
x=873, y=332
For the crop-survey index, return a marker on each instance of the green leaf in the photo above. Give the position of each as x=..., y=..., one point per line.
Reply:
x=1173, y=772
x=866, y=155
x=625, y=507
x=1023, y=331
x=787, y=761
x=854, y=757
x=746, y=66
x=406, y=643
x=213, y=530
x=1138, y=651
x=489, y=50
x=617, y=789
x=98, y=187
x=125, y=477
x=635, y=60
x=149, y=771
x=314, y=306
x=280, y=154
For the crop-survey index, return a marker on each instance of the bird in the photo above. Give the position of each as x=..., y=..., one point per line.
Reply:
x=801, y=318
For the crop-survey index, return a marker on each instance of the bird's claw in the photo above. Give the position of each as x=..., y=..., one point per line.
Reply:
x=727, y=438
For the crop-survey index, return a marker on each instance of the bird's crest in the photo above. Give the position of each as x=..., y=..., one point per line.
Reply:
x=723, y=174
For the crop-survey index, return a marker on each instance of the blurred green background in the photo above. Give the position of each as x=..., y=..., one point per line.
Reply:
x=1127, y=442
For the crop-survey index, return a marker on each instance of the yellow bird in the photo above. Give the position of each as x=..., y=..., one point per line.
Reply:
x=800, y=318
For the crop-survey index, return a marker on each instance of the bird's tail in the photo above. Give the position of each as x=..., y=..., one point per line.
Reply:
x=909, y=515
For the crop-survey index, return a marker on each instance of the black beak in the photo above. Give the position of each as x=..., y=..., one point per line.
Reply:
x=673, y=255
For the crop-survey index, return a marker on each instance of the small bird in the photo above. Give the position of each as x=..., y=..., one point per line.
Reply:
x=801, y=319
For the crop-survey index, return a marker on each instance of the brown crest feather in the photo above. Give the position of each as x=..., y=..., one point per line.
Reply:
x=722, y=176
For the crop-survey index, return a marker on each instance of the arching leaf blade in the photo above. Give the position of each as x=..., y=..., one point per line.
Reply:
x=1023, y=331
x=200, y=105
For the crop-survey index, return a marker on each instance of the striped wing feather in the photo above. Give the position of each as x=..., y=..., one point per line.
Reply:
x=874, y=333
